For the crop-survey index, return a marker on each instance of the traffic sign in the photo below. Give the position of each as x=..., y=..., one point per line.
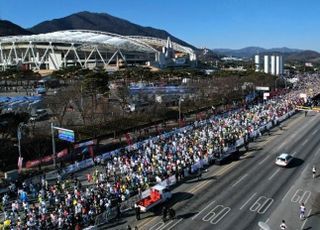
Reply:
x=67, y=135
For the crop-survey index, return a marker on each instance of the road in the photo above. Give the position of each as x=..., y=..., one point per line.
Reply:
x=240, y=194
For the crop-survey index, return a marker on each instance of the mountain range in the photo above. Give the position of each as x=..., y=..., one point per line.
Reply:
x=95, y=21
x=290, y=55
x=250, y=51
x=8, y=28
x=104, y=22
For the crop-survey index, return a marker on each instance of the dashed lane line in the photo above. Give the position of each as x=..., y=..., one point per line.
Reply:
x=175, y=224
x=238, y=181
x=304, y=222
x=275, y=173
x=248, y=200
x=266, y=158
x=203, y=210
x=287, y=193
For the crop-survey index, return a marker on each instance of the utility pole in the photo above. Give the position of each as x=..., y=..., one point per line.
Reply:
x=179, y=110
x=180, y=100
x=19, y=138
x=53, y=146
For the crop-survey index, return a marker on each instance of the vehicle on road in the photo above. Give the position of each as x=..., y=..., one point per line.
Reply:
x=39, y=115
x=283, y=159
x=158, y=194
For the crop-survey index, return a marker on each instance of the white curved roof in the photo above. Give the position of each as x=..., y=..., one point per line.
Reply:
x=104, y=39
x=161, y=42
x=83, y=37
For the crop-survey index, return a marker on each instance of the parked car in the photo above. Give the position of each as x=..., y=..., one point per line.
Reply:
x=39, y=115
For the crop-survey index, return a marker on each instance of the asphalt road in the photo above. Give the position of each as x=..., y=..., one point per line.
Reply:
x=240, y=194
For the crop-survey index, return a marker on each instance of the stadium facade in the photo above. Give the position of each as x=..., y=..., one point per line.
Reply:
x=90, y=49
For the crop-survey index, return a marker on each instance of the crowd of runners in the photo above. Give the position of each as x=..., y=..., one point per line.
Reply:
x=67, y=204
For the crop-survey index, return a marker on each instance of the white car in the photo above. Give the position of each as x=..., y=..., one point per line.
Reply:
x=283, y=159
x=39, y=115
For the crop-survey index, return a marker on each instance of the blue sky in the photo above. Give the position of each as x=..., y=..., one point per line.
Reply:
x=203, y=23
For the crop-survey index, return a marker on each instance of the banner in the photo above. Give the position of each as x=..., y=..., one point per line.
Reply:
x=128, y=138
x=62, y=153
x=20, y=162
x=91, y=151
x=87, y=143
x=46, y=159
x=33, y=163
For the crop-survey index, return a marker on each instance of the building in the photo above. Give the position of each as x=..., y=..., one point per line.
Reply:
x=266, y=64
x=272, y=64
x=90, y=49
x=257, y=62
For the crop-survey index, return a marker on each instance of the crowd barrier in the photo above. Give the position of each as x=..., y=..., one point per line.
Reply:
x=226, y=151
x=170, y=181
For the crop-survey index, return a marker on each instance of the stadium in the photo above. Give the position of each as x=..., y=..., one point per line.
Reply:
x=90, y=49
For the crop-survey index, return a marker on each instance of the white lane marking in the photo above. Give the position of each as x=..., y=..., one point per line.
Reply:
x=294, y=153
x=308, y=194
x=238, y=181
x=266, y=223
x=164, y=225
x=304, y=170
x=282, y=145
x=287, y=193
x=261, y=205
x=156, y=225
x=305, y=142
x=216, y=214
x=248, y=200
x=274, y=174
x=299, y=196
x=175, y=223
x=214, y=221
x=264, y=159
x=265, y=206
x=203, y=210
x=314, y=132
x=304, y=222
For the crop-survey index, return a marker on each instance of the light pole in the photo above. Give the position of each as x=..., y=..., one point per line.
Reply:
x=19, y=137
x=53, y=145
x=180, y=100
x=20, y=159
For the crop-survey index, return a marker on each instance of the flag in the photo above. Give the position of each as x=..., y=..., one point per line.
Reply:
x=128, y=138
x=91, y=151
x=20, y=160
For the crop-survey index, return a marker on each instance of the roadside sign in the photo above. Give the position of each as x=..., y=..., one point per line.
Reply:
x=67, y=135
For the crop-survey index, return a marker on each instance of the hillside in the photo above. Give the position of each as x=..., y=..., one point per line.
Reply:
x=8, y=28
x=249, y=52
x=304, y=56
x=101, y=22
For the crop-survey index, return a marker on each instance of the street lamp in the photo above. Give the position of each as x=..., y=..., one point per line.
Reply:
x=180, y=100
x=53, y=145
x=20, y=159
x=21, y=124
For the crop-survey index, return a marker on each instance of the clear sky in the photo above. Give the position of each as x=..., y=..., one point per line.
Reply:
x=203, y=23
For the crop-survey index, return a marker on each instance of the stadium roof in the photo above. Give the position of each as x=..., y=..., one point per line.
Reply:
x=90, y=37
x=84, y=37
